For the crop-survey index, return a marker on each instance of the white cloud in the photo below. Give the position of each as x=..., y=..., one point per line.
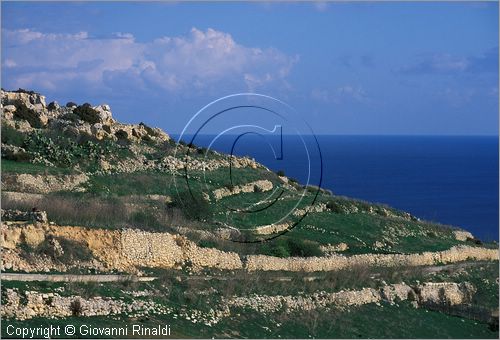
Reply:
x=340, y=94
x=198, y=61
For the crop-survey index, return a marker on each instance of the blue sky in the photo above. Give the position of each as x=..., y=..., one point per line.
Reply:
x=347, y=68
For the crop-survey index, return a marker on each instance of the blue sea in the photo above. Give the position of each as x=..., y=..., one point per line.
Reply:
x=451, y=180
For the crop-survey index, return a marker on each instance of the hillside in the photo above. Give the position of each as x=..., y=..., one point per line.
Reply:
x=83, y=194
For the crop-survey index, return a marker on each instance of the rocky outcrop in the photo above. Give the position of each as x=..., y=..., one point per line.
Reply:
x=25, y=105
x=462, y=235
x=77, y=122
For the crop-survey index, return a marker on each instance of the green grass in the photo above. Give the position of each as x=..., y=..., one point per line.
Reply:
x=14, y=167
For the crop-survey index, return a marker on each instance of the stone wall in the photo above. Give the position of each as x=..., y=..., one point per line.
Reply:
x=260, y=186
x=129, y=249
x=447, y=293
x=337, y=262
x=42, y=184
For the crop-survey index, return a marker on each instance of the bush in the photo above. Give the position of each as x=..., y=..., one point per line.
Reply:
x=52, y=106
x=87, y=113
x=144, y=218
x=303, y=248
x=71, y=104
x=194, y=208
x=201, y=150
x=20, y=90
x=256, y=188
x=286, y=247
x=71, y=117
x=280, y=173
x=65, y=152
x=121, y=134
x=76, y=307
x=24, y=112
x=71, y=250
x=207, y=244
x=11, y=136
x=334, y=207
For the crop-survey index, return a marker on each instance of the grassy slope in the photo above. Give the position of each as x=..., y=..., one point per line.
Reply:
x=359, y=230
x=367, y=321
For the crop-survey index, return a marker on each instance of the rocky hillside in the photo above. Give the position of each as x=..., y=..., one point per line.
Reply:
x=85, y=194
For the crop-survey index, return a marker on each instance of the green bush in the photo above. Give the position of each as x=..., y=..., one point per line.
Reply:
x=24, y=112
x=64, y=152
x=87, y=113
x=303, y=248
x=11, y=136
x=334, y=207
x=194, y=208
x=280, y=173
x=70, y=104
x=144, y=218
x=207, y=244
x=52, y=106
x=71, y=117
x=286, y=247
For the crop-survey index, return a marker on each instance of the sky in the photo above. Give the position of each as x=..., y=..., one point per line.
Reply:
x=346, y=68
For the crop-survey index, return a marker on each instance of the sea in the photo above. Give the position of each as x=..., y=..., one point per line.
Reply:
x=451, y=180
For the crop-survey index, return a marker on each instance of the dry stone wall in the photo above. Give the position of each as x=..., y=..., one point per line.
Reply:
x=337, y=262
x=449, y=293
x=128, y=249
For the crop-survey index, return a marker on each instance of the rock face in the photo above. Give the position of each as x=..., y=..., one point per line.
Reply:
x=42, y=183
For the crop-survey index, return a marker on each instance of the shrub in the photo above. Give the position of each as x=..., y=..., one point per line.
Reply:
x=207, y=244
x=71, y=104
x=87, y=113
x=280, y=173
x=24, y=112
x=286, y=247
x=52, y=106
x=303, y=248
x=256, y=188
x=201, y=150
x=121, y=134
x=71, y=117
x=334, y=207
x=76, y=307
x=65, y=152
x=20, y=90
x=194, y=208
x=144, y=218
x=11, y=136
x=71, y=250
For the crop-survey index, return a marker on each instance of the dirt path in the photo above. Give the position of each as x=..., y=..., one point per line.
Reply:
x=73, y=277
